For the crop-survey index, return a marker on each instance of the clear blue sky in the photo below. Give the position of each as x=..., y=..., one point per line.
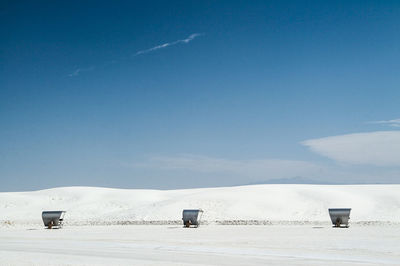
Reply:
x=168, y=94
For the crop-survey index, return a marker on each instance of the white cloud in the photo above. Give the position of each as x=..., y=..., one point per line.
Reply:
x=191, y=37
x=392, y=122
x=80, y=70
x=380, y=148
x=211, y=171
x=165, y=45
x=265, y=168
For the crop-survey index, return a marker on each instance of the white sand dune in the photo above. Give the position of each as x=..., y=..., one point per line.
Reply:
x=376, y=244
x=258, y=202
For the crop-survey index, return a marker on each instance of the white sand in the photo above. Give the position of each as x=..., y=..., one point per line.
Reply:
x=260, y=202
x=372, y=239
x=207, y=245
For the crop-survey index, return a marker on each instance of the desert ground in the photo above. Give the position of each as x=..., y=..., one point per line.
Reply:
x=248, y=225
x=206, y=245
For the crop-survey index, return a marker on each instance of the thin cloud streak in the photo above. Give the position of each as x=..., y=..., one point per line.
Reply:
x=260, y=168
x=80, y=70
x=168, y=44
x=191, y=37
x=391, y=123
x=220, y=171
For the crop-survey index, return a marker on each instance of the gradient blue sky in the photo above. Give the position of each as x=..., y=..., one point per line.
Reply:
x=168, y=94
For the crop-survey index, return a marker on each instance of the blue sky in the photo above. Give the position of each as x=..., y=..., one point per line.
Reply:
x=198, y=93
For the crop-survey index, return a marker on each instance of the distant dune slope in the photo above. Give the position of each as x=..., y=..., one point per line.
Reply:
x=257, y=202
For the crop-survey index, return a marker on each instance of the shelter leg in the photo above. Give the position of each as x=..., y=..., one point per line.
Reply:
x=50, y=225
x=338, y=222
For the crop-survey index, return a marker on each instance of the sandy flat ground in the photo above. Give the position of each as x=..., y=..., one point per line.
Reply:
x=207, y=245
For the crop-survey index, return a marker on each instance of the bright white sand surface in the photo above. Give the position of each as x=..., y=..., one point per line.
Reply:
x=88, y=205
x=207, y=245
x=300, y=233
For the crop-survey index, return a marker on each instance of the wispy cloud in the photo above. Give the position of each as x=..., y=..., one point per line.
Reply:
x=258, y=168
x=165, y=45
x=212, y=171
x=191, y=37
x=78, y=71
x=379, y=148
x=392, y=122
